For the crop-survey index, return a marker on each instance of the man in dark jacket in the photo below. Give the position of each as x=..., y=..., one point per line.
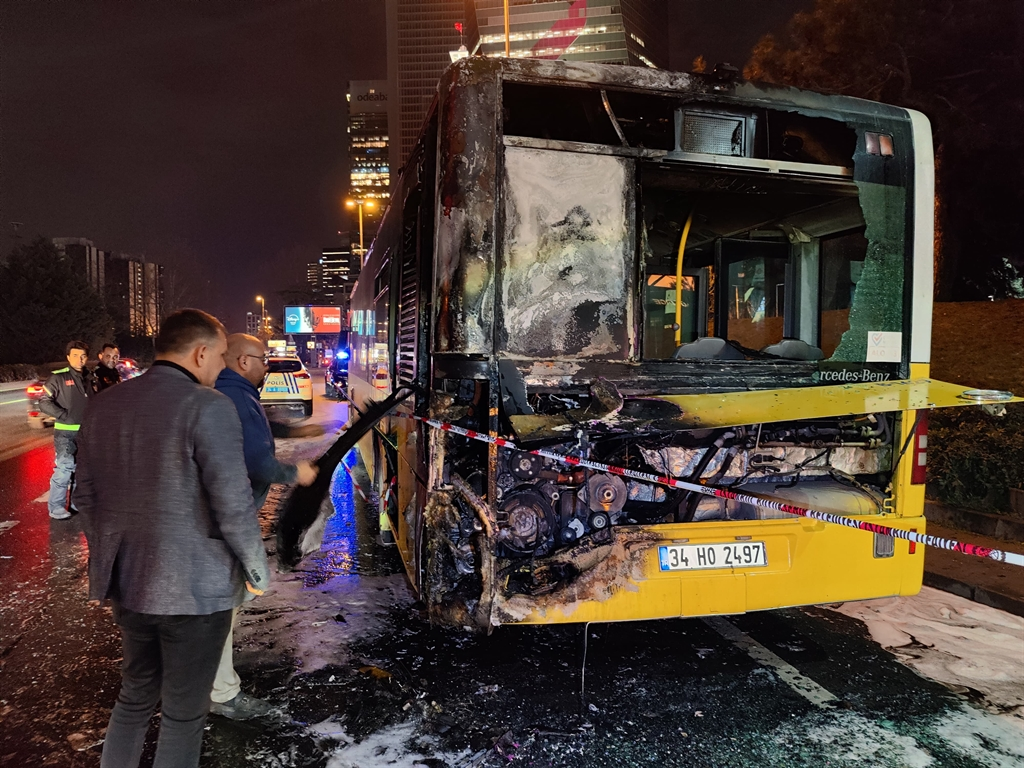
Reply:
x=64, y=397
x=173, y=537
x=106, y=372
x=246, y=361
x=246, y=367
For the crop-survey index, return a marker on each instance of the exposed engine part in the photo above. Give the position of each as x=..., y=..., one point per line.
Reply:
x=525, y=466
x=543, y=506
x=605, y=493
x=526, y=522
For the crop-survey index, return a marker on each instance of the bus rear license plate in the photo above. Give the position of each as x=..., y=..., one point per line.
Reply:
x=689, y=557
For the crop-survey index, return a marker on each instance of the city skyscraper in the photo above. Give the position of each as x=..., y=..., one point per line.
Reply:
x=422, y=41
x=131, y=288
x=339, y=268
x=369, y=168
x=624, y=32
x=420, y=37
x=369, y=162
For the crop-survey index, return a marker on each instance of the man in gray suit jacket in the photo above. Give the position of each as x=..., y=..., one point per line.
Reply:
x=173, y=536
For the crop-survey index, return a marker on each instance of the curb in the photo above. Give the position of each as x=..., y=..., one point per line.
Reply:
x=983, y=523
x=1013, y=605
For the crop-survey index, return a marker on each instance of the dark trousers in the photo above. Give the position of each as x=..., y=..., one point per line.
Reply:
x=167, y=659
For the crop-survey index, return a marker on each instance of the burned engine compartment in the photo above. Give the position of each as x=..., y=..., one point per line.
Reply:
x=548, y=522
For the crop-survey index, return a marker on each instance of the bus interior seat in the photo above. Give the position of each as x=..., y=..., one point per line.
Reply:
x=794, y=349
x=708, y=348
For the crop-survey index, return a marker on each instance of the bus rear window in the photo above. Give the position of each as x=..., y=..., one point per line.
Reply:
x=774, y=267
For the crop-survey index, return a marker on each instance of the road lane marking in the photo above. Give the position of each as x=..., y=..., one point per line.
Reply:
x=44, y=497
x=6, y=525
x=800, y=683
x=10, y=402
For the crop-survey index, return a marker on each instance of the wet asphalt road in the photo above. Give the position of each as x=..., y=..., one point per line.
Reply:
x=343, y=646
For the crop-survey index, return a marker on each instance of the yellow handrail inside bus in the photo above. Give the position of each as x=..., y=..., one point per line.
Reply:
x=679, y=279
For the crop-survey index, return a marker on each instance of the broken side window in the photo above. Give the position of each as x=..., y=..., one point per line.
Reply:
x=567, y=254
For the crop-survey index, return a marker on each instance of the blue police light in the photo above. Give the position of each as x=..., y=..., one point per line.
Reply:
x=342, y=354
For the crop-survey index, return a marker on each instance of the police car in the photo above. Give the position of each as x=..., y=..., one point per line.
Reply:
x=287, y=392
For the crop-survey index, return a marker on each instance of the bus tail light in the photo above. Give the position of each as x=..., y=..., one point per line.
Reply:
x=919, y=455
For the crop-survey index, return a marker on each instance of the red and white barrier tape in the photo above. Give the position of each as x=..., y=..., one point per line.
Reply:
x=355, y=483
x=722, y=493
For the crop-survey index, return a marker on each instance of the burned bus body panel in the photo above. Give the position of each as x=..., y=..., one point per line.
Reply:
x=564, y=214
x=622, y=258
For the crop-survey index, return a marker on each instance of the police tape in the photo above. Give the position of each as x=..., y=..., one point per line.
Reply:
x=723, y=493
x=355, y=483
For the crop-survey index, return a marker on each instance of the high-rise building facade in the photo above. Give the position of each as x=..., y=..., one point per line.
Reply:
x=369, y=165
x=131, y=288
x=421, y=37
x=423, y=40
x=314, y=276
x=339, y=268
x=252, y=323
x=369, y=161
x=624, y=32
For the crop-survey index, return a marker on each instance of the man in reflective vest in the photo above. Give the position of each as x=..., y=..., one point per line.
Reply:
x=65, y=395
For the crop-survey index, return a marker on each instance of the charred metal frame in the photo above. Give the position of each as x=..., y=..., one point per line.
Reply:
x=470, y=164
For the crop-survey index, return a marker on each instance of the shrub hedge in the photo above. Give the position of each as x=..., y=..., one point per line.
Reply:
x=974, y=458
x=26, y=372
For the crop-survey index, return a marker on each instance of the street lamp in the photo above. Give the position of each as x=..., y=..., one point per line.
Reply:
x=263, y=314
x=360, y=203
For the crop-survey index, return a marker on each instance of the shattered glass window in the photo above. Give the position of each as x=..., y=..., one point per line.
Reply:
x=567, y=270
x=877, y=304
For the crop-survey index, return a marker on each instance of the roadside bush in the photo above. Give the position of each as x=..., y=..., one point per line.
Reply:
x=974, y=458
x=17, y=372
x=26, y=372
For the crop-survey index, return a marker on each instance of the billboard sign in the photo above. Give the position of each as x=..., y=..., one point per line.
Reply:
x=312, y=319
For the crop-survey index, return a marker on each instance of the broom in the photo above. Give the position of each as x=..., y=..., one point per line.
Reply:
x=302, y=510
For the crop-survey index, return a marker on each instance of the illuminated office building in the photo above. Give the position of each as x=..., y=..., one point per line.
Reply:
x=421, y=37
x=369, y=167
x=423, y=41
x=339, y=268
x=131, y=288
x=314, y=275
x=624, y=32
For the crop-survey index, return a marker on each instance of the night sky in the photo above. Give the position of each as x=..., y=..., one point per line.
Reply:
x=210, y=136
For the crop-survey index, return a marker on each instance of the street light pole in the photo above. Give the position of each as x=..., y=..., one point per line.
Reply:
x=359, y=204
x=508, y=39
x=263, y=315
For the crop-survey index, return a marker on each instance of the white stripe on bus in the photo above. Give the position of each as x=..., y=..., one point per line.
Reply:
x=924, y=240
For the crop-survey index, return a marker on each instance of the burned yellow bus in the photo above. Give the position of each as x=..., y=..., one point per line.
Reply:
x=684, y=275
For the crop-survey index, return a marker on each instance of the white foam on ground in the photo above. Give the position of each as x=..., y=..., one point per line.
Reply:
x=995, y=742
x=396, y=746
x=954, y=641
x=851, y=740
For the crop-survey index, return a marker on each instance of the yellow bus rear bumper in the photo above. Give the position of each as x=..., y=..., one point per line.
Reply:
x=809, y=562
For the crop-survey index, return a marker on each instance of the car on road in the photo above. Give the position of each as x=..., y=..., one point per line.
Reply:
x=336, y=376
x=36, y=418
x=129, y=369
x=287, y=392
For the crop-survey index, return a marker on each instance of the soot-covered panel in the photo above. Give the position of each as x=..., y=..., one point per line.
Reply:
x=567, y=254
